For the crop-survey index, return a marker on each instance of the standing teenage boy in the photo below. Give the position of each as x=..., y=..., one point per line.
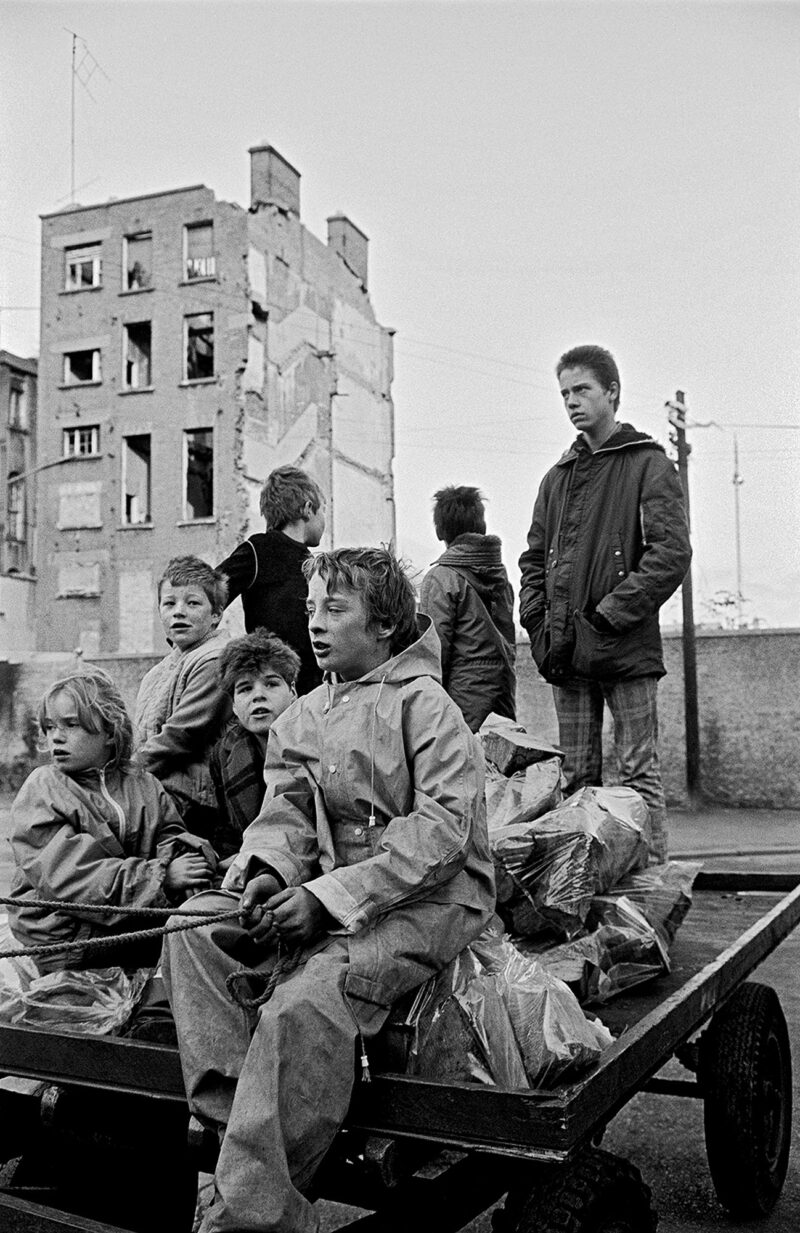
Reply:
x=608, y=545
x=369, y=860
x=267, y=569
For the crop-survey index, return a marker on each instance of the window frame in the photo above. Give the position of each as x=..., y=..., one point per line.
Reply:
x=96, y=249
x=188, y=516
x=211, y=271
x=126, y=240
x=125, y=521
x=73, y=432
x=188, y=317
x=127, y=385
x=97, y=367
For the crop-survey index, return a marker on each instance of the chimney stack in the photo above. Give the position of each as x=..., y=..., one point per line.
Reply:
x=351, y=244
x=273, y=181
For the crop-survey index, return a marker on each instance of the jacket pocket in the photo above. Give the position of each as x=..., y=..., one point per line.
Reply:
x=598, y=654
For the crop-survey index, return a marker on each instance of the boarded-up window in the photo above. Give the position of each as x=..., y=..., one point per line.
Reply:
x=198, y=242
x=136, y=479
x=78, y=577
x=138, y=271
x=199, y=349
x=199, y=473
x=81, y=367
x=137, y=341
x=79, y=505
x=82, y=267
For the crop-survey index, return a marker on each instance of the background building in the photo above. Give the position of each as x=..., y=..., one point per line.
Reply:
x=188, y=346
x=17, y=490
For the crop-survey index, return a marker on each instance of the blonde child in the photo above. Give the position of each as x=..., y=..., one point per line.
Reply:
x=92, y=828
x=181, y=707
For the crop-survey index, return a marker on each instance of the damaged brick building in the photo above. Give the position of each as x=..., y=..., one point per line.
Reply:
x=188, y=347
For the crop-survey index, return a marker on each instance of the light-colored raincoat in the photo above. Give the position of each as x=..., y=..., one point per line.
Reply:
x=375, y=804
x=103, y=837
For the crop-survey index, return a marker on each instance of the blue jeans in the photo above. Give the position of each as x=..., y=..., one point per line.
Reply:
x=632, y=703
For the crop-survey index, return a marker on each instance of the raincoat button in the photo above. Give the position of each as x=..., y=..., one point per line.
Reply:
x=620, y=573
x=346, y=698
x=359, y=830
x=332, y=770
x=617, y=552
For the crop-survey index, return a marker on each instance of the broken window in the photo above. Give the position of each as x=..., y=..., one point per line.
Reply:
x=198, y=244
x=199, y=473
x=199, y=337
x=137, y=344
x=81, y=367
x=81, y=442
x=136, y=479
x=82, y=267
x=15, y=496
x=138, y=266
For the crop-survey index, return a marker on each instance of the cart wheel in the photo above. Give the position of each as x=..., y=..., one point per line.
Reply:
x=746, y=1074
x=597, y=1193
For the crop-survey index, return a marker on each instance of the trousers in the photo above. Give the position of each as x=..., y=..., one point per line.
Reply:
x=276, y=1083
x=579, y=706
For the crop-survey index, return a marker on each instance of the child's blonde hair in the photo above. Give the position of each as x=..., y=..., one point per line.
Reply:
x=99, y=707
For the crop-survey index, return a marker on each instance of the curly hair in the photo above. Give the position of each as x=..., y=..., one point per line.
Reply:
x=255, y=655
x=598, y=361
x=382, y=582
x=457, y=510
x=99, y=707
x=285, y=494
x=193, y=571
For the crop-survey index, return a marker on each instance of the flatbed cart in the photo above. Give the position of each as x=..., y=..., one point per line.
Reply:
x=98, y=1136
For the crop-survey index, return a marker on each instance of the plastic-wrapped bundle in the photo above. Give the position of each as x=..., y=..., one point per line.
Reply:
x=548, y=870
x=634, y=926
x=523, y=796
x=461, y=1028
x=554, y=1035
x=663, y=893
x=496, y=1016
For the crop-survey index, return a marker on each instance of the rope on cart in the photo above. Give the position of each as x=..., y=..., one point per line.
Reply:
x=199, y=919
x=236, y=982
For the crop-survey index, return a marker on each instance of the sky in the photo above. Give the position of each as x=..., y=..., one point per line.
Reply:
x=530, y=175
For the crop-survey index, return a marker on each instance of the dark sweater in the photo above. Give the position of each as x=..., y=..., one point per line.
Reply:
x=266, y=570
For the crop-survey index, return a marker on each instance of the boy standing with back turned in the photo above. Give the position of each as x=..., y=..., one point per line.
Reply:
x=267, y=569
x=369, y=864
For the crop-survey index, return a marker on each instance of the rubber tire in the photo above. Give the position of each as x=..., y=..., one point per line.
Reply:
x=745, y=1070
x=596, y=1193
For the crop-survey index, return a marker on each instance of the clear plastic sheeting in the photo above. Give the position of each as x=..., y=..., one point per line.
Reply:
x=548, y=870
x=523, y=796
x=99, y=1001
x=496, y=1016
x=631, y=930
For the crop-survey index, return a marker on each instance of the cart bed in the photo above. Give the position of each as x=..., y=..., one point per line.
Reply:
x=735, y=921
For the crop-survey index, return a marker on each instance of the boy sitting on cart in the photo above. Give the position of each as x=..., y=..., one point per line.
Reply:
x=366, y=871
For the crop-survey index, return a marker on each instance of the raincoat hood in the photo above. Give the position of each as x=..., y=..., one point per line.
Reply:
x=422, y=658
x=482, y=556
x=623, y=437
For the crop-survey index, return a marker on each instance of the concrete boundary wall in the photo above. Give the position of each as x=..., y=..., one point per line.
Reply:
x=749, y=703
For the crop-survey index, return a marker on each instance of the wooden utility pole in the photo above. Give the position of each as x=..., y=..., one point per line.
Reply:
x=676, y=414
